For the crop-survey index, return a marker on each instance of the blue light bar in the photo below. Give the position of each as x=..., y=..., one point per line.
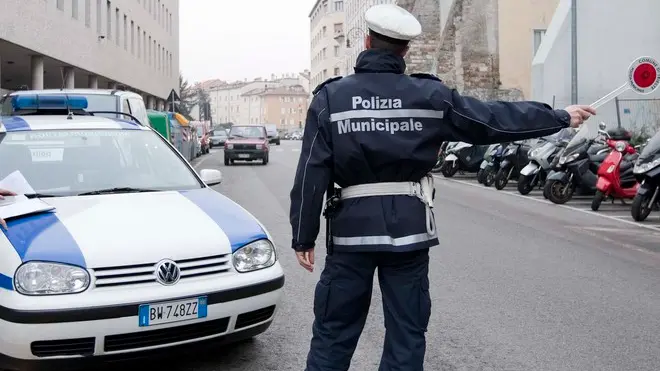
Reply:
x=37, y=102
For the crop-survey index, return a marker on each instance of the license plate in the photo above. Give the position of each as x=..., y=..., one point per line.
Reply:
x=173, y=311
x=243, y=155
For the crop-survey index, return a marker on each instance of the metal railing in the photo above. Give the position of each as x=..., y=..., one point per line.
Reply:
x=639, y=115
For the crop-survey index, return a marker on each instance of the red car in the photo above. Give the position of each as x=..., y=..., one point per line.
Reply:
x=247, y=143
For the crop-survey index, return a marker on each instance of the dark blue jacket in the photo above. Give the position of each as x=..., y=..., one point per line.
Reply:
x=380, y=125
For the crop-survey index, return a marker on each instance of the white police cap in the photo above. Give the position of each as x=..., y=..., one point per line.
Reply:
x=393, y=21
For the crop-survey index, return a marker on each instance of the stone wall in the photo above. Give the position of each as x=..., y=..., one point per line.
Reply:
x=465, y=53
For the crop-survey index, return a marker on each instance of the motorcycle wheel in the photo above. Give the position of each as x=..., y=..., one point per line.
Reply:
x=437, y=168
x=489, y=178
x=480, y=176
x=448, y=171
x=556, y=191
x=501, y=179
x=598, y=199
x=525, y=185
x=640, y=208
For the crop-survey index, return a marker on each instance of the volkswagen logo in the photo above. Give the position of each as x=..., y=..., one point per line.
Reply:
x=167, y=272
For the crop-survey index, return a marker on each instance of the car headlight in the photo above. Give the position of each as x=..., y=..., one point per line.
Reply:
x=41, y=278
x=620, y=146
x=254, y=256
x=569, y=158
x=229, y=146
x=642, y=168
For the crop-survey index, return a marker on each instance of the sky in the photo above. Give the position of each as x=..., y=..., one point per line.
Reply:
x=243, y=39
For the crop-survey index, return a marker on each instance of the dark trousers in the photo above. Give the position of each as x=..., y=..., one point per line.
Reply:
x=342, y=300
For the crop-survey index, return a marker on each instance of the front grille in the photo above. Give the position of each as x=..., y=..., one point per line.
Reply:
x=144, y=273
x=170, y=335
x=254, y=317
x=245, y=146
x=68, y=347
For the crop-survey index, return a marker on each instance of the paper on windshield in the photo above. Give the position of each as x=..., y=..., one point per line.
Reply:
x=13, y=206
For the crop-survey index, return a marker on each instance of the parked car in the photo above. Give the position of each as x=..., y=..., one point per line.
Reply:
x=218, y=138
x=273, y=134
x=74, y=290
x=247, y=143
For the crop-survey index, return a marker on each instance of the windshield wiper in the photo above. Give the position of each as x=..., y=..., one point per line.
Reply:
x=39, y=195
x=116, y=190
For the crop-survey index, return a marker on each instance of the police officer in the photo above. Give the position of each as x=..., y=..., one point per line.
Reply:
x=376, y=134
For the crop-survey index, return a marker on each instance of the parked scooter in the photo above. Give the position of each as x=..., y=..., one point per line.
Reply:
x=441, y=157
x=463, y=157
x=496, y=157
x=515, y=158
x=579, y=165
x=541, y=159
x=490, y=152
x=615, y=174
x=647, y=172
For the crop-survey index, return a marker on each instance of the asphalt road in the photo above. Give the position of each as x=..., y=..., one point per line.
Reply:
x=517, y=284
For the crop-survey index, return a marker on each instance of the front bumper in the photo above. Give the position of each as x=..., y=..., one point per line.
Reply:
x=246, y=154
x=45, y=339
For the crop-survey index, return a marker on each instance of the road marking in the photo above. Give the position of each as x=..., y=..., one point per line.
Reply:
x=279, y=150
x=295, y=149
x=547, y=202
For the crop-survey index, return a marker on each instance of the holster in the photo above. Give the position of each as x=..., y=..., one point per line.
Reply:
x=332, y=204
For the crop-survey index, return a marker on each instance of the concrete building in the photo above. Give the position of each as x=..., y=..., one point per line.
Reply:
x=327, y=54
x=356, y=29
x=241, y=103
x=284, y=106
x=128, y=44
x=609, y=37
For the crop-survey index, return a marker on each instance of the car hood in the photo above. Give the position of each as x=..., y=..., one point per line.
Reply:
x=137, y=228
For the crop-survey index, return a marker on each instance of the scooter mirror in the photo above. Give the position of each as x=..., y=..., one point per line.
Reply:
x=602, y=126
x=603, y=132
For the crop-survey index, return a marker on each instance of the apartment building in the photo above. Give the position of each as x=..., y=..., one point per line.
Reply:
x=242, y=103
x=129, y=44
x=284, y=106
x=327, y=53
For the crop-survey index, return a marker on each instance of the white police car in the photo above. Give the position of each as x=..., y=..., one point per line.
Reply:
x=114, y=268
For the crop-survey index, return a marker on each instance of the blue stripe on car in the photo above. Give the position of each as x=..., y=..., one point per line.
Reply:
x=239, y=226
x=6, y=282
x=43, y=237
x=14, y=123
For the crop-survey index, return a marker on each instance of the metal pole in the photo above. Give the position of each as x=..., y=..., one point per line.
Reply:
x=574, y=60
x=553, y=101
x=618, y=112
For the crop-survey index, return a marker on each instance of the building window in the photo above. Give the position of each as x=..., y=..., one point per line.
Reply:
x=108, y=12
x=60, y=4
x=99, y=16
x=339, y=6
x=336, y=50
x=538, y=38
x=149, y=47
x=88, y=13
x=337, y=72
x=74, y=9
x=117, y=26
x=133, y=37
x=139, y=42
x=125, y=32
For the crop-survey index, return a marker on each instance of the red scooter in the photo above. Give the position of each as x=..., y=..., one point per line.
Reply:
x=615, y=175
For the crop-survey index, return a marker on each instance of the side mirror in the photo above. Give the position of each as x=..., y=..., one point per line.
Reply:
x=211, y=177
x=602, y=126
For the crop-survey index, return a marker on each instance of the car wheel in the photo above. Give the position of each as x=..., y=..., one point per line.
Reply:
x=277, y=143
x=265, y=160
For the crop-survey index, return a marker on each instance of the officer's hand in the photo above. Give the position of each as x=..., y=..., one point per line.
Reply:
x=306, y=259
x=4, y=192
x=579, y=114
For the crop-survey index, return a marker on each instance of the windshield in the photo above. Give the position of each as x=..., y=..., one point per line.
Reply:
x=67, y=162
x=652, y=148
x=247, y=132
x=587, y=132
